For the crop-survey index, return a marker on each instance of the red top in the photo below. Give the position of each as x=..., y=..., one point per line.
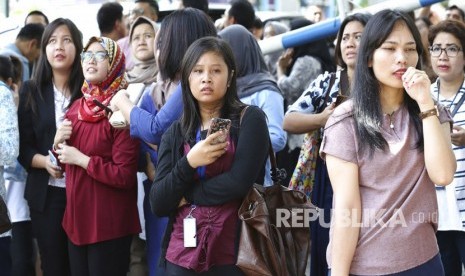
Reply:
x=102, y=201
x=217, y=226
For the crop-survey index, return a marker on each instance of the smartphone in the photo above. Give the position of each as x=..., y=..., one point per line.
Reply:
x=340, y=99
x=108, y=111
x=53, y=159
x=218, y=124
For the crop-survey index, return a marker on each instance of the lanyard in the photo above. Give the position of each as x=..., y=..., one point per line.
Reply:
x=457, y=106
x=200, y=170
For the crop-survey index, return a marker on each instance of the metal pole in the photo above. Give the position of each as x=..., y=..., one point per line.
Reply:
x=330, y=27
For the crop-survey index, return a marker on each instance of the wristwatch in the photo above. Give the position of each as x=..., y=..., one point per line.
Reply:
x=429, y=112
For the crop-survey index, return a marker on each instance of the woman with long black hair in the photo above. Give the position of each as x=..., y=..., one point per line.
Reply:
x=55, y=85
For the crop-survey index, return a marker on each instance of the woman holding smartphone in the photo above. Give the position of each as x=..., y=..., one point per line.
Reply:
x=56, y=85
x=201, y=179
x=101, y=164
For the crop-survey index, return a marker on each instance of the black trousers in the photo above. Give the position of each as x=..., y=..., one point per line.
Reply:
x=107, y=258
x=452, y=249
x=5, y=258
x=51, y=238
x=221, y=270
x=22, y=249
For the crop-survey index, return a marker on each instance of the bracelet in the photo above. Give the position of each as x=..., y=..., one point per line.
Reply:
x=429, y=112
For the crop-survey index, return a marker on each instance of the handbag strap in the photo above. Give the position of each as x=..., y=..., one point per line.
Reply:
x=459, y=104
x=276, y=174
x=327, y=92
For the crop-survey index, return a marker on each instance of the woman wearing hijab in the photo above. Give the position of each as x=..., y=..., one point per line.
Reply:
x=100, y=163
x=273, y=28
x=142, y=36
x=255, y=85
x=141, y=39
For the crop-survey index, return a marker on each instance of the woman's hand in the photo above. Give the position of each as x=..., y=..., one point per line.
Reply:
x=285, y=59
x=118, y=99
x=72, y=156
x=63, y=133
x=54, y=171
x=417, y=84
x=206, y=152
x=326, y=113
x=458, y=136
x=150, y=168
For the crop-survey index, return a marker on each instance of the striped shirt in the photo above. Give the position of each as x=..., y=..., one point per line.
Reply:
x=451, y=198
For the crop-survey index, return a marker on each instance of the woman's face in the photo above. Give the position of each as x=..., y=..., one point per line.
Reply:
x=60, y=49
x=349, y=42
x=446, y=67
x=208, y=79
x=95, y=63
x=142, y=42
x=394, y=56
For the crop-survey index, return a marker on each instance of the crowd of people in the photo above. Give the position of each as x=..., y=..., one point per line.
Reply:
x=159, y=194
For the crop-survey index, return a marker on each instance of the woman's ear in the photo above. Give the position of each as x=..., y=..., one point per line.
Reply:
x=9, y=82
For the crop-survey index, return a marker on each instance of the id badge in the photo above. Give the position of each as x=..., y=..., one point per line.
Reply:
x=190, y=232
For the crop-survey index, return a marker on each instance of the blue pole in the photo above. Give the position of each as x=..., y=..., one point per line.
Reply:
x=330, y=27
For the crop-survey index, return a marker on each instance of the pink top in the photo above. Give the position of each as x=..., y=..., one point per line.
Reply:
x=102, y=200
x=398, y=199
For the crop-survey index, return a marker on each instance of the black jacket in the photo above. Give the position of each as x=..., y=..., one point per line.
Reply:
x=174, y=178
x=36, y=134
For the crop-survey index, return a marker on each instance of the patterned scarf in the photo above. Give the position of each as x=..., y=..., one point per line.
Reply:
x=104, y=91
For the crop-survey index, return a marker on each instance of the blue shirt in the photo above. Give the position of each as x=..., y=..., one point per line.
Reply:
x=12, y=50
x=272, y=103
x=150, y=127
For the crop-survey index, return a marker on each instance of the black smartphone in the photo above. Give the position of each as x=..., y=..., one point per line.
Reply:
x=218, y=124
x=108, y=111
x=340, y=99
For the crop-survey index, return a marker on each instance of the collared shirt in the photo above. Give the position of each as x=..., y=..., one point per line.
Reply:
x=12, y=50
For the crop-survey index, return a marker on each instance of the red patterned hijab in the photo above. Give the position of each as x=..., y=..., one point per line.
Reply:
x=104, y=91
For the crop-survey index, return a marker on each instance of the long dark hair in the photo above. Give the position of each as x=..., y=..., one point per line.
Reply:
x=43, y=74
x=177, y=32
x=358, y=17
x=317, y=49
x=366, y=88
x=232, y=107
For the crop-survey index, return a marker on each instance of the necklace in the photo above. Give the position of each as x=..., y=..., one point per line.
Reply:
x=391, y=119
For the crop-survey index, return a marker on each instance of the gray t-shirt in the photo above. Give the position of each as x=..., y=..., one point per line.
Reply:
x=398, y=199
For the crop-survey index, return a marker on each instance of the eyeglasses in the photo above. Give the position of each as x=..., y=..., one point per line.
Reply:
x=97, y=56
x=451, y=51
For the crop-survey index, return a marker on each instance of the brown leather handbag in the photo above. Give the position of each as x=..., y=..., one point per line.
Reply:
x=5, y=223
x=266, y=246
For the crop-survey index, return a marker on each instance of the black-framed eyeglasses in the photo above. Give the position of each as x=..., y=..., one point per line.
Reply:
x=97, y=56
x=451, y=51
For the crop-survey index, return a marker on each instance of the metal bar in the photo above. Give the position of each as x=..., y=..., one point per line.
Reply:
x=330, y=27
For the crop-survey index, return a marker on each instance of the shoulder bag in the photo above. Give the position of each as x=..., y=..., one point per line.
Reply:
x=269, y=244
x=134, y=91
